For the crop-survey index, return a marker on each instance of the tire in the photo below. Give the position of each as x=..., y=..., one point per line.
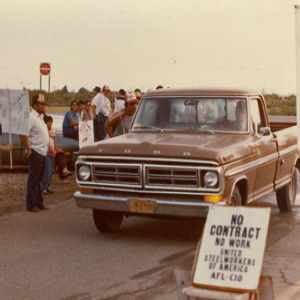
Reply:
x=286, y=196
x=107, y=221
x=236, y=198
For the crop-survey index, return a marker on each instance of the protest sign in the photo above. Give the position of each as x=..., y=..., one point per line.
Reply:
x=232, y=248
x=14, y=111
x=86, y=133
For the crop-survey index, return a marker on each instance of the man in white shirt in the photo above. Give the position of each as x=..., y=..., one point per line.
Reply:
x=36, y=145
x=104, y=111
x=120, y=100
x=95, y=110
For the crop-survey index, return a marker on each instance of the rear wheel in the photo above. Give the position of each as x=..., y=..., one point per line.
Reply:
x=236, y=198
x=107, y=221
x=286, y=196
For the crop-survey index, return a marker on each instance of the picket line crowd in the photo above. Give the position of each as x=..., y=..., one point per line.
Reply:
x=41, y=146
x=108, y=119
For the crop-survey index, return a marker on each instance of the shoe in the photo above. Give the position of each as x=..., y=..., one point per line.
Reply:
x=45, y=192
x=66, y=172
x=35, y=209
x=44, y=208
x=49, y=191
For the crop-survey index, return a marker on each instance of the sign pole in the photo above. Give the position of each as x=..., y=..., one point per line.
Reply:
x=45, y=69
x=9, y=114
x=49, y=90
x=40, y=82
x=297, y=31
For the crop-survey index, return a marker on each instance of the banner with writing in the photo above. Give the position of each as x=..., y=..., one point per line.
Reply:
x=14, y=111
x=86, y=133
x=232, y=248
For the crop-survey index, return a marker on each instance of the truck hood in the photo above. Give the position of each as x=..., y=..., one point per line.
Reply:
x=221, y=148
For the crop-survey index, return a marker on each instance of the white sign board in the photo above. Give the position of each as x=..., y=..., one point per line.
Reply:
x=232, y=248
x=14, y=106
x=86, y=133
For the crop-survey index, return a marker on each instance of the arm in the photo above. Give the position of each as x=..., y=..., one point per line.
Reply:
x=72, y=122
x=7, y=148
x=108, y=127
x=24, y=140
x=94, y=111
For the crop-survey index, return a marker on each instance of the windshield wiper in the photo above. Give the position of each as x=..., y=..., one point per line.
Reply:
x=197, y=129
x=148, y=127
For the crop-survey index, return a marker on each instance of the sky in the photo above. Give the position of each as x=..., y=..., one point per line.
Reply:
x=144, y=43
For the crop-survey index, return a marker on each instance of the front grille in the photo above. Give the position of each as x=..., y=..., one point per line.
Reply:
x=152, y=177
x=171, y=177
x=117, y=174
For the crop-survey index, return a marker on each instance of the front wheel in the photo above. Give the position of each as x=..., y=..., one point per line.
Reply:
x=107, y=221
x=286, y=195
x=236, y=198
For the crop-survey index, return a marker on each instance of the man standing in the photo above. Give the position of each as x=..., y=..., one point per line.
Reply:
x=120, y=100
x=104, y=111
x=95, y=110
x=36, y=145
x=120, y=121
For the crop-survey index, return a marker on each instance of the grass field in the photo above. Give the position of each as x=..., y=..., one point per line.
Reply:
x=60, y=100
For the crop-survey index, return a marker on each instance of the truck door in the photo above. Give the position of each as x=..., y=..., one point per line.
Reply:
x=266, y=150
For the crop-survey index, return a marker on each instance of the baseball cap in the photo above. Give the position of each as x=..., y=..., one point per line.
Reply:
x=106, y=88
x=39, y=98
x=131, y=98
x=97, y=89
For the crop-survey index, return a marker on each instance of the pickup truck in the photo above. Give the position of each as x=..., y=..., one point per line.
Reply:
x=187, y=150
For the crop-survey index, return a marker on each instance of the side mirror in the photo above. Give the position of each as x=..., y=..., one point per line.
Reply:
x=264, y=131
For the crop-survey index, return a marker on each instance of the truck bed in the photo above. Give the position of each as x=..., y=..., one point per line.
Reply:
x=281, y=122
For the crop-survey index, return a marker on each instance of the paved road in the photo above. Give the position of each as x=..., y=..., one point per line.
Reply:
x=59, y=254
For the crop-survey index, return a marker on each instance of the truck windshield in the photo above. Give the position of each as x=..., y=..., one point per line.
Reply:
x=200, y=114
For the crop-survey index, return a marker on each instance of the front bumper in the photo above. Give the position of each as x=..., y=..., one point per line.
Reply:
x=161, y=207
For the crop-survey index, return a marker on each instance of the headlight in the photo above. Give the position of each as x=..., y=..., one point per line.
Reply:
x=210, y=179
x=84, y=172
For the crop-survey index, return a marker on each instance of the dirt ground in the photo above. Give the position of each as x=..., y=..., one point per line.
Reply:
x=13, y=190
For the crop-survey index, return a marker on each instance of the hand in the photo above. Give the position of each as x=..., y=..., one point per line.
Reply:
x=29, y=152
x=7, y=148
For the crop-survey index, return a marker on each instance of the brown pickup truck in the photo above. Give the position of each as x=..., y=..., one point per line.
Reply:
x=186, y=151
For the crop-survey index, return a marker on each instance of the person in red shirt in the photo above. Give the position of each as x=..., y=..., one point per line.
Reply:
x=120, y=121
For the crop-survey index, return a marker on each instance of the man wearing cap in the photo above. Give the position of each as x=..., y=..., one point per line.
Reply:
x=36, y=145
x=104, y=111
x=120, y=121
x=95, y=110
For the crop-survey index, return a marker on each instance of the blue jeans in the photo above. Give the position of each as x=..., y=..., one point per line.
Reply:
x=102, y=131
x=36, y=168
x=96, y=130
x=70, y=132
x=48, y=171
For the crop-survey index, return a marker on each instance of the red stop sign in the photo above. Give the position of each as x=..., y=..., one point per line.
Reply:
x=45, y=68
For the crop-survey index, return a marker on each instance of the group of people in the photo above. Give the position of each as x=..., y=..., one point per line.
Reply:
x=40, y=143
x=107, y=119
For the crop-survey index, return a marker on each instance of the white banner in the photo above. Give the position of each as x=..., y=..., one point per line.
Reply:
x=86, y=133
x=14, y=111
x=232, y=248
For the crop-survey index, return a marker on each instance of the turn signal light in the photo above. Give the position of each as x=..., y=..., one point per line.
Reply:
x=86, y=191
x=213, y=198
